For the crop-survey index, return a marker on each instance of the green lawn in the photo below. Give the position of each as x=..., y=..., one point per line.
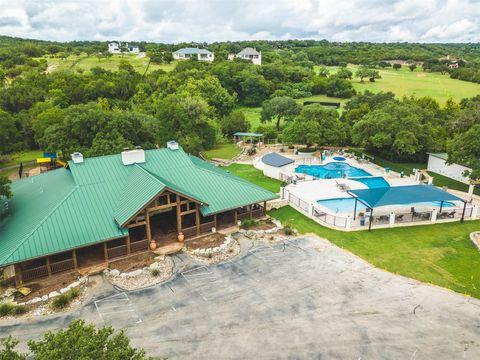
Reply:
x=419, y=83
x=439, y=254
x=84, y=62
x=222, y=151
x=440, y=180
x=248, y=172
x=24, y=156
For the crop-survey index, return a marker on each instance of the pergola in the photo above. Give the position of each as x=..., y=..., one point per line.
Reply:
x=242, y=135
x=401, y=195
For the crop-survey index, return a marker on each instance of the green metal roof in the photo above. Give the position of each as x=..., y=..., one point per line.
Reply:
x=401, y=195
x=140, y=189
x=66, y=209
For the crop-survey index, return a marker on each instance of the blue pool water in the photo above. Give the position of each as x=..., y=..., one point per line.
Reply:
x=347, y=205
x=333, y=170
x=339, y=158
x=373, y=182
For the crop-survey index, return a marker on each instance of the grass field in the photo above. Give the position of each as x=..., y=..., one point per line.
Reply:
x=419, y=83
x=84, y=62
x=248, y=172
x=439, y=254
x=253, y=113
x=222, y=151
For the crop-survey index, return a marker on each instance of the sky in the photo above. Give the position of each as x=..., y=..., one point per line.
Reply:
x=174, y=21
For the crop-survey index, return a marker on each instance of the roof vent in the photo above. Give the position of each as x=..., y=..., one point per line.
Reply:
x=130, y=157
x=77, y=158
x=172, y=145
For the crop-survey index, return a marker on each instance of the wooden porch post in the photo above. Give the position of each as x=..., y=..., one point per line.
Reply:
x=235, y=217
x=264, y=208
x=128, y=244
x=251, y=212
x=147, y=225
x=74, y=257
x=49, y=270
x=179, y=215
x=197, y=219
x=215, y=221
x=18, y=274
x=105, y=251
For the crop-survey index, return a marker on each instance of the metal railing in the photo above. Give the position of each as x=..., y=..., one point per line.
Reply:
x=35, y=273
x=61, y=266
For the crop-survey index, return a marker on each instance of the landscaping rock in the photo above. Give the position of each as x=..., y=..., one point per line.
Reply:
x=44, y=297
x=53, y=294
x=114, y=272
x=135, y=273
x=34, y=300
x=154, y=266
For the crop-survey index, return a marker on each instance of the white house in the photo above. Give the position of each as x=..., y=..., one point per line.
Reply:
x=248, y=54
x=114, y=48
x=275, y=164
x=188, y=53
x=437, y=163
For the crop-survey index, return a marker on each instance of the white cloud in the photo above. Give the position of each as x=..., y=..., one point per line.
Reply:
x=219, y=20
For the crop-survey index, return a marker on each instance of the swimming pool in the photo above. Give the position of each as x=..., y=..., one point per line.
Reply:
x=347, y=205
x=373, y=182
x=333, y=170
x=339, y=158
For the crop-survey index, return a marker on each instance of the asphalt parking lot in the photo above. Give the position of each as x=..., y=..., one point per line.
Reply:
x=297, y=300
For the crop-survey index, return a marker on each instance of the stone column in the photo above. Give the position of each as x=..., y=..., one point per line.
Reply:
x=348, y=223
x=470, y=190
x=392, y=219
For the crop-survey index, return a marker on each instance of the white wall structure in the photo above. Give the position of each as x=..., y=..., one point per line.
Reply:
x=250, y=54
x=437, y=164
x=189, y=53
x=274, y=165
x=114, y=48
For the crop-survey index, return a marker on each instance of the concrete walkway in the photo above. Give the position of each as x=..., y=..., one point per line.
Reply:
x=299, y=299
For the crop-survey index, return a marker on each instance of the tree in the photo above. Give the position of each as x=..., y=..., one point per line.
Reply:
x=234, y=122
x=78, y=341
x=362, y=72
x=373, y=74
x=7, y=349
x=397, y=66
x=5, y=187
x=464, y=149
x=412, y=67
x=331, y=131
x=323, y=71
x=344, y=74
x=302, y=132
x=281, y=107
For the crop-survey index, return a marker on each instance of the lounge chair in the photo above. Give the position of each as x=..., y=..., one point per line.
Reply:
x=451, y=214
x=399, y=217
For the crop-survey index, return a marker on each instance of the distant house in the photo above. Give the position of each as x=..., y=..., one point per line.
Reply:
x=189, y=53
x=437, y=162
x=248, y=54
x=114, y=48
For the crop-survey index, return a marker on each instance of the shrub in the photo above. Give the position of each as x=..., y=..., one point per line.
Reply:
x=12, y=309
x=63, y=300
x=251, y=151
x=19, y=310
x=6, y=309
x=249, y=223
x=288, y=230
x=155, y=272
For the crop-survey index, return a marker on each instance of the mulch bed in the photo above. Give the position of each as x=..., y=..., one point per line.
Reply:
x=47, y=285
x=205, y=242
x=134, y=262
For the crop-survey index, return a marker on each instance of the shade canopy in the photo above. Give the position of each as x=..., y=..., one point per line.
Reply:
x=248, y=134
x=276, y=160
x=401, y=195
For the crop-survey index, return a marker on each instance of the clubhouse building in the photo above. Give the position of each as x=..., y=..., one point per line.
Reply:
x=109, y=207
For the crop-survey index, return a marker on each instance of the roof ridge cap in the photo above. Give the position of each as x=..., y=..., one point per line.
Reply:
x=41, y=223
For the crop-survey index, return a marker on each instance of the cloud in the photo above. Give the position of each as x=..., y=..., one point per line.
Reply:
x=220, y=20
